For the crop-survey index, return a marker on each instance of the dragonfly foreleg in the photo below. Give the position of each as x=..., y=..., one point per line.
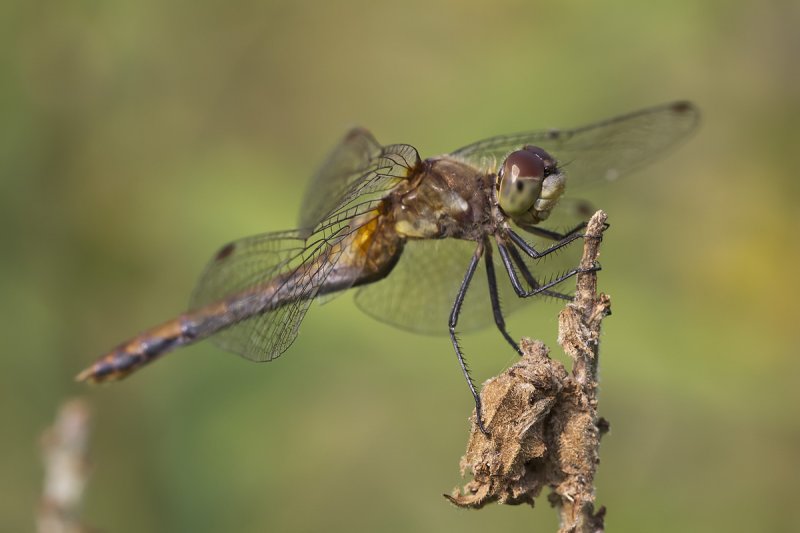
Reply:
x=495, y=298
x=535, y=254
x=555, y=235
x=509, y=254
x=453, y=322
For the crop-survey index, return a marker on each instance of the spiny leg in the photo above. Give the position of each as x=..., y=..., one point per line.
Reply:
x=462, y=291
x=495, y=298
x=555, y=235
x=526, y=273
x=512, y=274
x=536, y=287
x=535, y=254
x=558, y=236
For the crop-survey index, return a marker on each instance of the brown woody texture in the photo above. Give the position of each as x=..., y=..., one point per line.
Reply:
x=545, y=431
x=66, y=469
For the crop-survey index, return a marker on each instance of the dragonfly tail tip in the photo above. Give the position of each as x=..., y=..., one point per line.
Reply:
x=86, y=375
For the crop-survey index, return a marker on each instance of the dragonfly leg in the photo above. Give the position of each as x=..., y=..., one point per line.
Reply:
x=453, y=322
x=495, y=298
x=555, y=235
x=545, y=288
x=535, y=254
x=509, y=254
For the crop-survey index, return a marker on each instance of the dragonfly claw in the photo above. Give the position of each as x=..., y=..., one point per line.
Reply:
x=483, y=428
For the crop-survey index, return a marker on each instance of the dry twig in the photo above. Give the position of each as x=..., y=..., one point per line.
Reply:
x=64, y=452
x=544, y=427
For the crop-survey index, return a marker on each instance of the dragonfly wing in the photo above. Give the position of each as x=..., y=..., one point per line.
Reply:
x=356, y=177
x=602, y=151
x=299, y=262
x=243, y=265
x=358, y=165
x=419, y=293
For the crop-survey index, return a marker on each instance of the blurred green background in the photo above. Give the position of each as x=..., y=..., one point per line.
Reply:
x=136, y=137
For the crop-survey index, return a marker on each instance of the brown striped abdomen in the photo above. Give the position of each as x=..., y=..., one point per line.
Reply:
x=155, y=342
x=364, y=259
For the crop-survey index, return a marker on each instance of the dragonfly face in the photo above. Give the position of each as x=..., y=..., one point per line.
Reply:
x=410, y=233
x=529, y=184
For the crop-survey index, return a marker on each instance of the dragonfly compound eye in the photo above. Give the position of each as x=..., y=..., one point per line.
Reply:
x=521, y=179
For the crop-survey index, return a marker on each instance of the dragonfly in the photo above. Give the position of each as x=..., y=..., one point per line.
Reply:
x=409, y=234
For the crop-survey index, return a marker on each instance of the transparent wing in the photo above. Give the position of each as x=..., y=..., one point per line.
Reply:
x=605, y=150
x=350, y=187
x=356, y=166
x=247, y=262
x=296, y=263
x=241, y=266
x=418, y=294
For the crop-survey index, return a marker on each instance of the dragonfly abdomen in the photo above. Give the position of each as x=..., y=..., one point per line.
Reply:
x=191, y=327
x=368, y=254
x=146, y=347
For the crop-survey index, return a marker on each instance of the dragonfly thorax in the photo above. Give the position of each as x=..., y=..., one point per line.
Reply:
x=450, y=198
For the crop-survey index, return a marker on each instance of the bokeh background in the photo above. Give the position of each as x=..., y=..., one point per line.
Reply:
x=136, y=137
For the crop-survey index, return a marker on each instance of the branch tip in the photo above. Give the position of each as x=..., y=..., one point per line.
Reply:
x=543, y=420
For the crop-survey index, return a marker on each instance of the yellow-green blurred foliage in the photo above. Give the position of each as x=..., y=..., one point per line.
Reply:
x=136, y=137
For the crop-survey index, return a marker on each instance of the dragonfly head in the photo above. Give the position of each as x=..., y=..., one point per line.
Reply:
x=529, y=184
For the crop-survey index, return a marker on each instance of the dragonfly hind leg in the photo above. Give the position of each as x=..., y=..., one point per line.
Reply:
x=453, y=322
